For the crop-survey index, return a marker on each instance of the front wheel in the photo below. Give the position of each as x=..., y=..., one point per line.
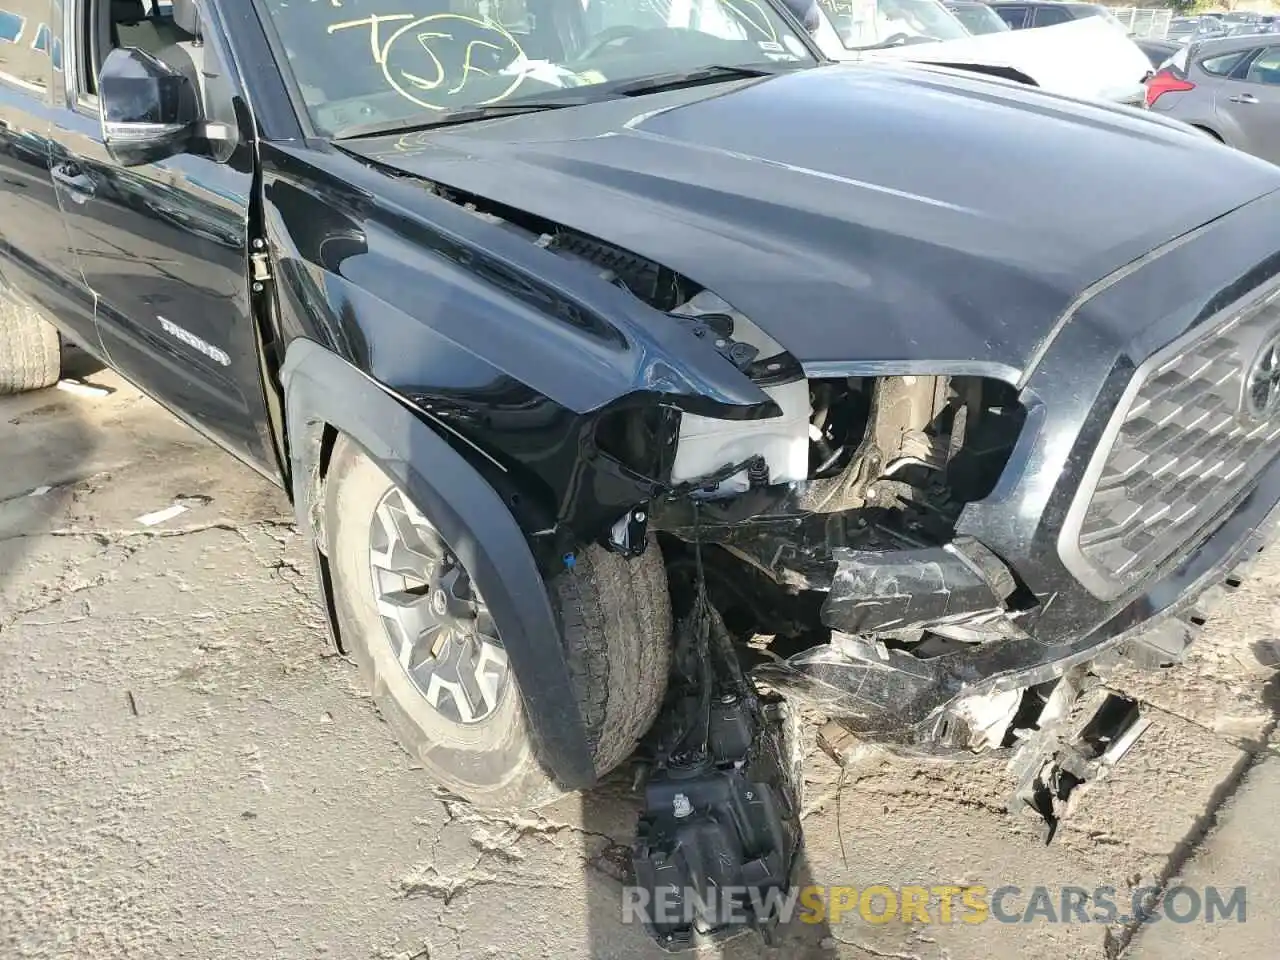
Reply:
x=30, y=351
x=431, y=652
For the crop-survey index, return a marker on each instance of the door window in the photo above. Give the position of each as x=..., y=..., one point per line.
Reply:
x=1015, y=17
x=1222, y=65
x=108, y=24
x=1048, y=16
x=1265, y=67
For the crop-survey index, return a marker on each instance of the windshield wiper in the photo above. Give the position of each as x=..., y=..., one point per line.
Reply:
x=689, y=78
x=591, y=93
x=448, y=118
x=899, y=40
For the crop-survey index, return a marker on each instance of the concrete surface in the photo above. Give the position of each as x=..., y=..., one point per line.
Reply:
x=187, y=771
x=1243, y=850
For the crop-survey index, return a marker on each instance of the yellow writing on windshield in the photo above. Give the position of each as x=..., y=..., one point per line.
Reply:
x=411, y=56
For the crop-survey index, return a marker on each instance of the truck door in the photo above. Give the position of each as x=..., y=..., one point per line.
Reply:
x=164, y=246
x=34, y=260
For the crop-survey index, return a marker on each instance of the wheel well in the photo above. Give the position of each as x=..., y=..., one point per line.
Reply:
x=1212, y=133
x=326, y=395
x=328, y=437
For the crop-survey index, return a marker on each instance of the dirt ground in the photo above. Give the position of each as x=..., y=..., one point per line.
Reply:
x=187, y=771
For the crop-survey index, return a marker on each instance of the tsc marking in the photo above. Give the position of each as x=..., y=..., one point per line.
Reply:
x=415, y=36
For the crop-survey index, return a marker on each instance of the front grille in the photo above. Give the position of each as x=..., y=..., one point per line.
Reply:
x=1182, y=449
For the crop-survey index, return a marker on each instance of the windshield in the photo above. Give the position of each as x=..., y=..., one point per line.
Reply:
x=863, y=24
x=366, y=62
x=978, y=18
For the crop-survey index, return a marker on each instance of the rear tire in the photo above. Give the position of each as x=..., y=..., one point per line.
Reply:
x=30, y=351
x=615, y=624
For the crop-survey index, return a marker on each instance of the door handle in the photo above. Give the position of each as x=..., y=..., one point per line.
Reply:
x=1243, y=98
x=78, y=183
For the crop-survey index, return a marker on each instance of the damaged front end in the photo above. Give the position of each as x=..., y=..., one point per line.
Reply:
x=823, y=541
x=816, y=521
x=839, y=541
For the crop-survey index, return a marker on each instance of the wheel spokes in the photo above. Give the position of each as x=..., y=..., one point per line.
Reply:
x=439, y=627
x=411, y=611
x=408, y=545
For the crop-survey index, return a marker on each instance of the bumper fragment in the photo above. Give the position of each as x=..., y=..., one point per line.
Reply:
x=898, y=698
x=876, y=592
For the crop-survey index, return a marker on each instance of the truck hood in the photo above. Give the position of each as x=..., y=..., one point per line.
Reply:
x=1089, y=58
x=857, y=212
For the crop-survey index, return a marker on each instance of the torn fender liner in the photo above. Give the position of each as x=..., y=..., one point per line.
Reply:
x=717, y=838
x=877, y=592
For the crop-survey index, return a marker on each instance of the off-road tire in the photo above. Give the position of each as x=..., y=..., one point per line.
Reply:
x=30, y=351
x=614, y=615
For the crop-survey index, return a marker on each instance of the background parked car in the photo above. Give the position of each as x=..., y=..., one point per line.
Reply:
x=1189, y=29
x=1229, y=88
x=1245, y=28
x=1240, y=17
x=1156, y=49
x=1024, y=14
x=1181, y=28
x=978, y=18
x=1089, y=58
x=873, y=24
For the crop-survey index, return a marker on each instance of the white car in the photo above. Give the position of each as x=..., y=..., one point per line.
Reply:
x=1092, y=59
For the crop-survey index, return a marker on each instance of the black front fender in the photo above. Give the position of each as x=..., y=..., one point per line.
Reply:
x=321, y=388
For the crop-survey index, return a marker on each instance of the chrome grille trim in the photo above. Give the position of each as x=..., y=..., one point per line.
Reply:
x=1177, y=453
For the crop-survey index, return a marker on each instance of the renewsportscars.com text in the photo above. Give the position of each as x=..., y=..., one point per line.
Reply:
x=943, y=903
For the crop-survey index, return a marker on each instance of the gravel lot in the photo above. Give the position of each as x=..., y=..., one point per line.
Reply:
x=187, y=771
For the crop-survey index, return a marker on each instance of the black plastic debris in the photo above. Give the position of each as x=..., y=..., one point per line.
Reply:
x=717, y=838
x=1082, y=732
x=878, y=593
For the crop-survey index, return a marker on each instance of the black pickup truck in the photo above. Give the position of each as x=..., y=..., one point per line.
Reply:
x=592, y=340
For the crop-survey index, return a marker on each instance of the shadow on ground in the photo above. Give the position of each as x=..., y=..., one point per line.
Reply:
x=47, y=446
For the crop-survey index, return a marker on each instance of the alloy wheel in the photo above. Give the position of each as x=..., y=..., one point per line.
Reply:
x=438, y=625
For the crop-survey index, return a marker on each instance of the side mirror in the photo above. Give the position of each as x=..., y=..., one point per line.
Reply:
x=149, y=110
